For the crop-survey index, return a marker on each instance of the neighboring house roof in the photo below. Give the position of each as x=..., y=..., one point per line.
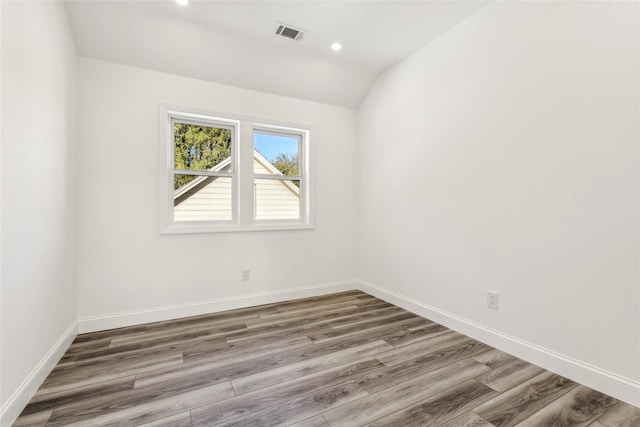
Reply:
x=192, y=187
x=274, y=171
x=199, y=180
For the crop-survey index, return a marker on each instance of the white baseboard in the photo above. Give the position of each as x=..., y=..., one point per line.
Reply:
x=119, y=320
x=614, y=385
x=19, y=399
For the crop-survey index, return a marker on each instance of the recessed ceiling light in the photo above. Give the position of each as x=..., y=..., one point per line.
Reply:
x=182, y=2
x=336, y=46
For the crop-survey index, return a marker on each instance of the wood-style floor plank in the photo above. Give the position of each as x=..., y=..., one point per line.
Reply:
x=83, y=340
x=342, y=359
x=310, y=311
x=441, y=407
x=328, y=347
x=621, y=415
x=261, y=399
x=184, y=333
x=398, y=374
x=494, y=358
x=43, y=401
x=332, y=317
x=317, y=421
x=388, y=323
x=126, y=399
x=150, y=348
x=579, y=408
x=182, y=419
x=226, y=370
x=306, y=367
x=309, y=315
x=300, y=408
x=518, y=403
x=469, y=419
x=374, y=406
x=507, y=376
x=429, y=343
x=411, y=335
x=260, y=346
x=158, y=409
x=35, y=419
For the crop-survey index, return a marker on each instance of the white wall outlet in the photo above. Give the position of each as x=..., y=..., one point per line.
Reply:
x=492, y=299
x=246, y=274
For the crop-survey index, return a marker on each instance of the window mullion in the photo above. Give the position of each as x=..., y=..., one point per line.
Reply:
x=245, y=174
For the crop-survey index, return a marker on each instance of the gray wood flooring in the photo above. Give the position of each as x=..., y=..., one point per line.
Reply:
x=344, y=359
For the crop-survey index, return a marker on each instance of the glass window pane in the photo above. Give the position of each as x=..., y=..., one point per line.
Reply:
x=277, y=154
x=277, y=199
x=202, y=198
x=198, y=147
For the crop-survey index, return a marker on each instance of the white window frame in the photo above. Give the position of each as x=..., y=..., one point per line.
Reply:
x=303, y=140
x=242, y=176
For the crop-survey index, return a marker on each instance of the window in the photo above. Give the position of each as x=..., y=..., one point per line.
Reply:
x=225, y=174
x=277, y=174
x=203, y=170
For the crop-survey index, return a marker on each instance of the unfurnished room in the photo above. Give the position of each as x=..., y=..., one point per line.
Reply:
x=320, y=213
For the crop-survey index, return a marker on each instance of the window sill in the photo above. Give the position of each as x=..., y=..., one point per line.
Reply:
x=206, y=229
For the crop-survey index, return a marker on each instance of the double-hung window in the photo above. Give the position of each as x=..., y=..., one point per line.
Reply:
x=278, y=174
x=203, y=169
x=229, y=174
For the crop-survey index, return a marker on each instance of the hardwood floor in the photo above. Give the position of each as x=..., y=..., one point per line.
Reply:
x=345, y=359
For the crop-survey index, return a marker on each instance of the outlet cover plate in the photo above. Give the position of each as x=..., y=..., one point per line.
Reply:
x=492, y=299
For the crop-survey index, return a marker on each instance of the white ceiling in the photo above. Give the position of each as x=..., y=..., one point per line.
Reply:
x=233, y=42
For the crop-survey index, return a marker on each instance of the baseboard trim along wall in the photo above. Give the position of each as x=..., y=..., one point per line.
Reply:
x=119, y=320
x=609, y=383
x=19, y=399
x=614, y=385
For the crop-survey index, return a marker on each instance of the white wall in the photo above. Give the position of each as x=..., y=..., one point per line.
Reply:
x=125, y=266
x=501, y=156
x=38, y=308
x=504, y=156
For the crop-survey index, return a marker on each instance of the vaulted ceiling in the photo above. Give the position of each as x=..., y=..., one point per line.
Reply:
x=234, y=42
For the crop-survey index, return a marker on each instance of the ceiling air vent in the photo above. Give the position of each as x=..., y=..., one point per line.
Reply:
x=289, y=32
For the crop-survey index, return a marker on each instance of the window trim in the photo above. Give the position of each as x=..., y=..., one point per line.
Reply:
x=242, y=176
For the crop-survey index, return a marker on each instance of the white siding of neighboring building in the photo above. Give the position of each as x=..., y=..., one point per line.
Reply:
x=274, y=199
x=211, y=200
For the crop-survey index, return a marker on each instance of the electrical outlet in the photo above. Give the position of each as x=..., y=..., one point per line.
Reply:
x=492, y=299
x=246, y=274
